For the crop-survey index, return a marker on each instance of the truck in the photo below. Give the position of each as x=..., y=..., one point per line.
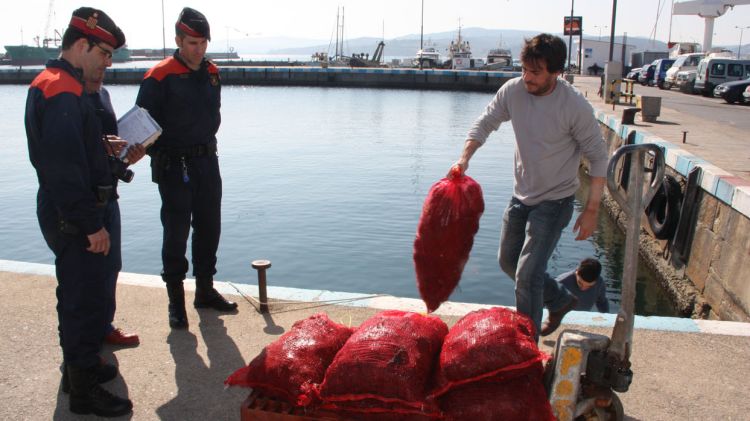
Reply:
x=640, y=58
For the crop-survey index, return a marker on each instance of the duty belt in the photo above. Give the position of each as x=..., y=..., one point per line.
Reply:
x=189, y=151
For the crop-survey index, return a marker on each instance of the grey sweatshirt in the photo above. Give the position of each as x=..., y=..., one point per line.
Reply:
x=552, y=132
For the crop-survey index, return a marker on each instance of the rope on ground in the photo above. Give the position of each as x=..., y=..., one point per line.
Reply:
x=305, y=304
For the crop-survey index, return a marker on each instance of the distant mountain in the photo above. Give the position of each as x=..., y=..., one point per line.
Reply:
x=481, y=40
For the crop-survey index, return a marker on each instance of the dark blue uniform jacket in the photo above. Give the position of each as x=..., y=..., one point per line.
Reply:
x=185, y=103
x=66, y=148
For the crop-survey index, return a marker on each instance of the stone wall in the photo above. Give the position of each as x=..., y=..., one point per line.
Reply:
x=712, y=280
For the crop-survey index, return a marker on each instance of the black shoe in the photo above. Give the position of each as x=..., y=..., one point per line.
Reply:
x=87, y=397
x=177, y=314
x=212, y=299
x=104, y=372
x=555, y=317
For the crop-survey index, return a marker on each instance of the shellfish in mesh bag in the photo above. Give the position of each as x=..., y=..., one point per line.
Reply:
x=386, y=365
x=495, y=343
x=288, y=367
x=520, y=399
x=445, y=235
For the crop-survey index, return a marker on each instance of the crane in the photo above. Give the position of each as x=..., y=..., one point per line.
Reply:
x=50, y=14
x=708, y=10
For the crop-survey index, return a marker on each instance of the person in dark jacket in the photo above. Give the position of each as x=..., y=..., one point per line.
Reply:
x=183, y=94
x=100, y=100
x=586, y=283
x=77, y=204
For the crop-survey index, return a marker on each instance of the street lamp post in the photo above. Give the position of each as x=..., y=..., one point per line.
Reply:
x=739, y=47
x=600, y=30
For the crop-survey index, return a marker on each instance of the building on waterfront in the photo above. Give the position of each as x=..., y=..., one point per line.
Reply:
x=597, y=52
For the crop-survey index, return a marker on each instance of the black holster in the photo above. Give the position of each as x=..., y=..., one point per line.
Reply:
x=158, y=163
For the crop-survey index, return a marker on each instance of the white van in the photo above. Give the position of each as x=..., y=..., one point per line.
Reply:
x=714, y=71
x=682, y=62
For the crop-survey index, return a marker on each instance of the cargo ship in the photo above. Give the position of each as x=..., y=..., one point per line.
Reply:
x=28, y=55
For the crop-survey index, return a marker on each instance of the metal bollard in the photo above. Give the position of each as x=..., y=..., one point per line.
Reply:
x=261, y=266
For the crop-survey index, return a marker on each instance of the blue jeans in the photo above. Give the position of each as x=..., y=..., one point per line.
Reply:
x=529, y=236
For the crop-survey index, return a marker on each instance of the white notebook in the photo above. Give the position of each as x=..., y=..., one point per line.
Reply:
x=137, y=126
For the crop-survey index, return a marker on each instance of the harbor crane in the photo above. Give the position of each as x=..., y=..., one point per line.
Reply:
x=709, y=10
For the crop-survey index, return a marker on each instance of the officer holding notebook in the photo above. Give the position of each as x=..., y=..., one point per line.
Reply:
x=183, y=94
x=77, y=204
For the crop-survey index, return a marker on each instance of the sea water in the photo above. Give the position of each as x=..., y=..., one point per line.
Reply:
x=328, y=184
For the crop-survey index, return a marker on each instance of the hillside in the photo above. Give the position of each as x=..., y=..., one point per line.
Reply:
x=481, y=40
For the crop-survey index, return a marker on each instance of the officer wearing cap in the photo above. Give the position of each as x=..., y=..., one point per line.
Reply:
x=76, y=203
x=183, y=94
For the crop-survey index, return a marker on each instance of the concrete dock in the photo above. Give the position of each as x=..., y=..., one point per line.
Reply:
x=684, y=369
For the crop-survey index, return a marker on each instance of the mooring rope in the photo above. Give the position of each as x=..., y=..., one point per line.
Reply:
x=306, y=304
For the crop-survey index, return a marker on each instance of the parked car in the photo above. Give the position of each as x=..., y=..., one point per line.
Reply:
x=732, y=92
x=633, y=74
x=713, y=71
x=683, y=62
x=685, y=81
x=660, y=72
x=746, y=94
x=647, y=72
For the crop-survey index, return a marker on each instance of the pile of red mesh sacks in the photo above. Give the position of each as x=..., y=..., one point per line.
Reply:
x=407, y=366
x=445, y=235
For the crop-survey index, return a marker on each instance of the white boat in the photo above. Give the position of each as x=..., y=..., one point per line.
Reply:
x=499, y=59
x=428, y=57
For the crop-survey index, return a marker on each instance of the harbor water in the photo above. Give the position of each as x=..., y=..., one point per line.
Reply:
x=328, y=184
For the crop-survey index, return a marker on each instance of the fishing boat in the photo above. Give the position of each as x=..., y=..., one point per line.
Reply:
x=459, y=53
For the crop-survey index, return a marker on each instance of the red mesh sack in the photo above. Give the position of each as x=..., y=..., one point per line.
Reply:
x=520, y=399
x=385, y=365
x=490, y=343
x=288, y=367
x=445, y=234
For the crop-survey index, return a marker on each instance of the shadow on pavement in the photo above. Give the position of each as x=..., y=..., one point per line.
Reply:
x=200, y=384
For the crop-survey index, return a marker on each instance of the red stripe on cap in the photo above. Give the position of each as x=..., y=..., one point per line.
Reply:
x=97, y=32
x=188, y=30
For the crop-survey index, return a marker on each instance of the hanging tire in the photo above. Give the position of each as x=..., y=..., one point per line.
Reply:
x=664, y=210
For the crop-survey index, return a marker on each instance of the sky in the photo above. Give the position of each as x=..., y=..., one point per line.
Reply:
x=141, y=20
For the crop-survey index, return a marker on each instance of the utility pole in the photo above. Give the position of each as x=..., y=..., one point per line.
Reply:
x=739, y=47
x=421, y=38
x=163, y=33
x=570, y=33
x=612, y=32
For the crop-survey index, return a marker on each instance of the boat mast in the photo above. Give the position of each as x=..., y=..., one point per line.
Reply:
x=342, y=30
x=421, y=38
x=336, y=56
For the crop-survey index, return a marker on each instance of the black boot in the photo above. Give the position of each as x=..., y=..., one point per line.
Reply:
x=86, y=396
x=177, y=314
x=207, y=297
x=104, y=373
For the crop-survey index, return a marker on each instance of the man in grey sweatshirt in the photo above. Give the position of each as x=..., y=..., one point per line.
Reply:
x=554, y=127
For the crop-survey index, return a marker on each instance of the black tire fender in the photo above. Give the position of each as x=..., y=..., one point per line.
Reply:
x=664, y=210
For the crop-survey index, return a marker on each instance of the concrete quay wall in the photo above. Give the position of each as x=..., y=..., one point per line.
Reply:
x=709, y=280
x=462, y=80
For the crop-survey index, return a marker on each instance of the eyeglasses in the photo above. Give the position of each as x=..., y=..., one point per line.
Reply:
x=104, y=50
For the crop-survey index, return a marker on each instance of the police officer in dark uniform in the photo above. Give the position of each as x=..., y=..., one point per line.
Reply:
x=100, y=100
x=183, y=94
x=76, y=203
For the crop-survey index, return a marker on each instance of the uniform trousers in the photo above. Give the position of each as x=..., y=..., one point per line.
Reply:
x=190, y=189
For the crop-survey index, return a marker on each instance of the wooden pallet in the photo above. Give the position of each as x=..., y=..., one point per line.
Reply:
x=262, y=408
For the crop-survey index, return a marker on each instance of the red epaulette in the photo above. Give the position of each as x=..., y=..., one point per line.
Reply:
x=55, y=81
x=166, y=67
